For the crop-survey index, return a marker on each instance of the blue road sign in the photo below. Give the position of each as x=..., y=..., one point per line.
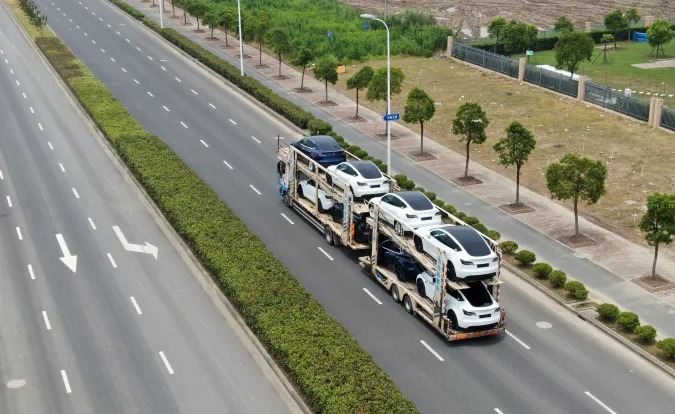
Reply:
x=330, y=34
x=366, y=25
x=392, y=117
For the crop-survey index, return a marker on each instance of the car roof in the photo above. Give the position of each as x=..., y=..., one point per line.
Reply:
x=470, y=239
x=367, y=169
x=326, y=142
x=416, y=200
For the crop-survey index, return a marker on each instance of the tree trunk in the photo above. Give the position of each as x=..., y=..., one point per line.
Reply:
x=656, y=255
x=517, y=184
x=279, y=64
x=357, y=104
x=260, y=53
x=576, y=216
x=211, y=33
x=226, y=45
x=326, y=90
x=302, y=79
x=173, y=9
x=198, y=24
x=466, y=167
x=421, y=137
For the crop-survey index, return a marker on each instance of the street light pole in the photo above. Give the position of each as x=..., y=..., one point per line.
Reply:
x=372, y=17
x=161, y=14
x=241, y=40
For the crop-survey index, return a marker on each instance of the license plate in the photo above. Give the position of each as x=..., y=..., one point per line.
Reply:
x=375, y=186
x=426, y=218
x=484, y=265
x=484, y=316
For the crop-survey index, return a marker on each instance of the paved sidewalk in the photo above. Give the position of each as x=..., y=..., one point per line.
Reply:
x=607, y=267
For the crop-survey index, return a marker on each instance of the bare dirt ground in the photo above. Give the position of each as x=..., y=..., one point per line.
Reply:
x=471, y=17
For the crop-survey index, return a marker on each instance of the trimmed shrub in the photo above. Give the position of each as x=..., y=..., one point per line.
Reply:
x=360, y=153
x=450, y=209
x=440, y=203
x=628, y=321
x=573, y=285
x=645, y=333
x=542, y=269
x=319, y=127
x=493, y=234
x=480, y=227
x=420, y=189
x=557, y=278
x=577, y=289
x=430, y=195
x=400, y=178
x=471, y=220
x=509, y=246
x=667, y=346
x=460, y=215
x=129, y=10
x=408, y=185
x=608, y=312
x=525, y=257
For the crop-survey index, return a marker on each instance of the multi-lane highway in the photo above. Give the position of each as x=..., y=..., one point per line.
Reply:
x=101, y=313
x=549, y=361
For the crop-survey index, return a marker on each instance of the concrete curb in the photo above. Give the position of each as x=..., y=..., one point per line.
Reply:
x=229, y=312
x=646, y=355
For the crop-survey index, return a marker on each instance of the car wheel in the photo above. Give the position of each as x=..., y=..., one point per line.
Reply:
x=418, y=244
x=398, y=228
x=300, y=193
x=312, y=167
x=329, y=179
x=288, y=201
x=351, y=188
x=320, y=206
x=394, y=294
x=420, y=289
x=451, y=274
x=400, y=274
x=407, y=304
x=328, y=235
x=453, y=320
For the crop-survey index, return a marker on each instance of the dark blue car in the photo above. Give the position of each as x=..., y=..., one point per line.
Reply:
x=391, y=255
x=323, y=149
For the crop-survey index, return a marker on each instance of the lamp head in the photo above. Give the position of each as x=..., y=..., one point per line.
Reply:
x=368, y=16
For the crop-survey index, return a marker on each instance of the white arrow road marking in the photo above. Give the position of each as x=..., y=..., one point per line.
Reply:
x=138, y=248
x=67, y=259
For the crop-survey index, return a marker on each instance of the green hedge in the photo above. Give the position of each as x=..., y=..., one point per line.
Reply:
x=325, y=361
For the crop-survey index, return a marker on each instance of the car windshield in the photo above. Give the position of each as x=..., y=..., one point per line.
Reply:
x=326, y=143
x=470, y=240
x=477, y=295
x=416, y=200
x=367, y=169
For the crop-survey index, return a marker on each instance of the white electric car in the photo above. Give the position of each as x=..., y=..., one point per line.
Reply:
x=364, y=178
x=466, y=308
x=307, y=189
x=410, y=208
x=469, y=255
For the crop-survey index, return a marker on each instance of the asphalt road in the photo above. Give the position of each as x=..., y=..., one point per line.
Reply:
x=116, y=331
x=230, y=143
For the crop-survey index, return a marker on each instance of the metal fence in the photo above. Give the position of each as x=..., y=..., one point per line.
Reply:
x=668, y=118
x=485, y=59
x=605, y=97
x=552, y=80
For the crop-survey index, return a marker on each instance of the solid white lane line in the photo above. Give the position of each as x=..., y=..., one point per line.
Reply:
x=151, y=95
x=440, y=358
x=287, y=219
x=75, y=192
x=177, y=79
x=326, y=254
x=113, y=59
x=372, y=296
x=183, y=123
x=211, y=105
x=32, y=111
x=255, y=139
x=50, y=145
x=30, y=272
x=498, y=411
x=61, y=166
x=517, y=340
x=166, y=362
x=228, y=165
x=65, y=381
x=205, y=144
x=233, y=121
x=128, y=41
x=254, y=189
x=9, y=201
x=138, y=48
x=165, y=108
x=133, y=301
x=600, y=403
x=17, y=83
x=150, y=57
x=18, y=233
x=124, y=70
x=40, y=126
x=137, y=82
x=44, y=315
x=163, y=68
x=91, y=222
x=24, y=95
x=193, y=91
x=112, y=261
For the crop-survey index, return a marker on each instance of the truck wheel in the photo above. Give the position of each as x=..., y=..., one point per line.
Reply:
x=288, y=201
x=407, y=304
x=300, y=194
x=400, y=274
x=453, y=320
x=394, y=294
x=328, y=235
x=420, y=289
x=398, y=228
x=418, y=244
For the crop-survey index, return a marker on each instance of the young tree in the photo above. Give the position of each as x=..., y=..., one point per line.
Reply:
x=576, y=178
x=563, y=24
x=514, y=149
x=572, y=48
x=302, y=58
x=228, y=20
x=532, y=34
x=212, y=20
x=259, y=24
x=198, y=8
x=173, y=8
x=516, y=37
x=38, y=20
x=419, y=108
x=495, y=29
x=659, y=34
x=470, y=122
x=632, y=15
x=606, y=38
x=279, y=42
x=377, y=88
x=325, y=71
x=659, y=222
x=360, y=80
x=616, y=22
